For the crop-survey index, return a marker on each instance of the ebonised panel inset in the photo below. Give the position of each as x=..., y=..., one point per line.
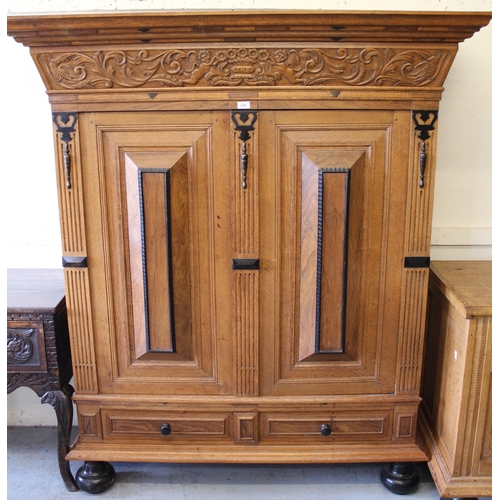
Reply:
x=158, y=213
x=331, y=229
x=155, y=214
x=333, y=218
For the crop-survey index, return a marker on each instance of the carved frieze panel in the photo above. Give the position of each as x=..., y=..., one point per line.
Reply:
x=28, y=348
x=232, y=67
x=20, y=347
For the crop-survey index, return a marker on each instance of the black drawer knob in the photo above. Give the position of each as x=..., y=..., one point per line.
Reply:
x=326, y=430
x=166, y=429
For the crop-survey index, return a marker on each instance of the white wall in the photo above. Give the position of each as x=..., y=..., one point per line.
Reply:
x=463, y=204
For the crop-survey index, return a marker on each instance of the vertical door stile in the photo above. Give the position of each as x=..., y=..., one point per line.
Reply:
x=420, y=188
x=71, y=194
x=245, y=252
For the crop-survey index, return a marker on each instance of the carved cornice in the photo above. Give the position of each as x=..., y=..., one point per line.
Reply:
x=122, y=29
x=253, y=67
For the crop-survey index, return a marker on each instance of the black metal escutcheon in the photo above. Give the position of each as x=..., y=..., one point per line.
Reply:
x=416, y=262
x=245, y=264
x=70, y=261
x=424, y=122
x=65, y=125
x=244, y=123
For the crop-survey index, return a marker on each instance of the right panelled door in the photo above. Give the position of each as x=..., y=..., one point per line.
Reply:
x=332, y=250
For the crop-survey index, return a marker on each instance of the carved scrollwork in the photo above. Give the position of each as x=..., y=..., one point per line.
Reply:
x=228, y=67
x=19, y=345
x=38, y=382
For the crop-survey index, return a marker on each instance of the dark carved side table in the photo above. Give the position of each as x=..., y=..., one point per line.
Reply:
x=38, y=354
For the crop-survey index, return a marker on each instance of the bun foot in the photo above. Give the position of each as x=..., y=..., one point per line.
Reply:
x=95, y=477
x=400, y=478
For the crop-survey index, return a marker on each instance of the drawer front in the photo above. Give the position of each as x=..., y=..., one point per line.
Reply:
x=26, y=347
x=326, y=427
x=166, y=427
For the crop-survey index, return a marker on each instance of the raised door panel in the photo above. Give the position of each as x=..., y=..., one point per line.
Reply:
x=332, y=257
x=162, y=324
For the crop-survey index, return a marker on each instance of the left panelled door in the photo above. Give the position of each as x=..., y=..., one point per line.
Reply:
x=157, y=221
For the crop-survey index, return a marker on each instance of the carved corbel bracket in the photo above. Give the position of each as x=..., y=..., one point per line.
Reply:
x=424, y=123
x=65, y=125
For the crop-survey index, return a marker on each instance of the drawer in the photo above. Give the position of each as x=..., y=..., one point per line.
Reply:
x=166, y=427
x=26, y=346
x=327, y=427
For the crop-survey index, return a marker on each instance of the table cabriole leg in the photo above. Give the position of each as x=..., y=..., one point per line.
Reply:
x=63, y=406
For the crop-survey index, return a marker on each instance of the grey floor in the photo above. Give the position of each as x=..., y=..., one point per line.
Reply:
x=32, y=473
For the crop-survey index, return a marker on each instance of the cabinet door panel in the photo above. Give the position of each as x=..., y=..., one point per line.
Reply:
x=329, y=257
x=329, y=222
x=160, y=245
x=158, y=230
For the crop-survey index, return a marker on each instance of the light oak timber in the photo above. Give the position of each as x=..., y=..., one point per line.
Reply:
x=368, y=369
x=80, y=330
x=204, y=26
x=164, y=100
x=136, y=137
x=458, y=435
x=280, y=454
x=247, y=365
x=246, y=427
x=270, y=65
x=324, y=400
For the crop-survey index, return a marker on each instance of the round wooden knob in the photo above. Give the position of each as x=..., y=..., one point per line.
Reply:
x=326, y=430
x=166, y=429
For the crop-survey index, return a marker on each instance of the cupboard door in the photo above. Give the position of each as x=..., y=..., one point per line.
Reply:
x=161, y=291
x=331, y=250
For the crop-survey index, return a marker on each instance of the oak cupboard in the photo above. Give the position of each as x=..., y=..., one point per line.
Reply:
x=246, y=203
x=456, y=412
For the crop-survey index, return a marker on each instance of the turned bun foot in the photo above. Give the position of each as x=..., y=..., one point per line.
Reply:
x=400, y=478
x=95, y=477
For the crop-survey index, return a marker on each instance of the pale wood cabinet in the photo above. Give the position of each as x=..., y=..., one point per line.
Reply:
x=456, y=413
x=246, y=205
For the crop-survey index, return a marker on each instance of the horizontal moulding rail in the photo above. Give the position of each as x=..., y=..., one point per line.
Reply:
x=157, y=100
x=253, y=401
x=237, y=453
